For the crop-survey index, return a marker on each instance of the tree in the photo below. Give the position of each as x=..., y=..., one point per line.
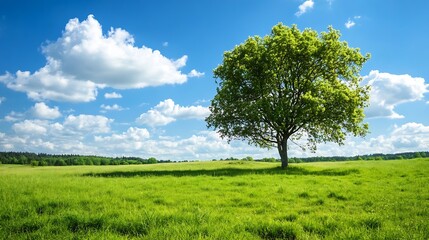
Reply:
x=287, y=86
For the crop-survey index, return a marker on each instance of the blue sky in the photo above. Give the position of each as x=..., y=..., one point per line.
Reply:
x=135, y=78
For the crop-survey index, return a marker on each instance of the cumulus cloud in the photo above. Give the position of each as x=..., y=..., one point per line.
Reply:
x=131, y=140
x=204, y=145
x=41, y=110
x=114, y=107
x=73, y=135
x=30, y=127
x=410, y=136
x=167, y=111
x=14, y=116
x=46, y=136
x=112, y=95
x=88, y=123
x=195, y=73
x=48, y=83
x=304, y=7
x=350, y=23
x=83, y=60
x=389, y=90
x=132, y=134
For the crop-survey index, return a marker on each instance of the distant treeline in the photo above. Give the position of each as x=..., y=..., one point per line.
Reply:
x=377, y=156
x=43, y=159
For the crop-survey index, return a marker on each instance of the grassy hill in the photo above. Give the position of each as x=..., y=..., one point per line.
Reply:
x=217, y=200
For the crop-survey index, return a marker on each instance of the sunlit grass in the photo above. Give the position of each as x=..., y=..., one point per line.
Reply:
x=217, y=200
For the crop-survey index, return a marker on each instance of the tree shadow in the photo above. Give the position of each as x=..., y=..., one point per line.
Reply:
x=221, y=172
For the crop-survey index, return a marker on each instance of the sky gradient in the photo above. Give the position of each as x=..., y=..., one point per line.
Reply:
x=135, y=79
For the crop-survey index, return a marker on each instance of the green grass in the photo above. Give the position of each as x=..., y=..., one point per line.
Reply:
x=217, y=200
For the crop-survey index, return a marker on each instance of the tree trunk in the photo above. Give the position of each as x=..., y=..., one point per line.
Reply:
x=282, y=147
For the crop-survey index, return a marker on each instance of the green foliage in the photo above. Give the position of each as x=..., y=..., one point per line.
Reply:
x=152, y=160
x=34, y=163
x=43, y=159
x=287, y=85
x=217, y=200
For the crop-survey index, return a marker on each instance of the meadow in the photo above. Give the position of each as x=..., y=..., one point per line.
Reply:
x=217, y=200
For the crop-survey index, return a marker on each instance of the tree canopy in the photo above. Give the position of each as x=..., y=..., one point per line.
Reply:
x=288, y=86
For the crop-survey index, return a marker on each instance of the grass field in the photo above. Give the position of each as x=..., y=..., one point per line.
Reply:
x=217, y=200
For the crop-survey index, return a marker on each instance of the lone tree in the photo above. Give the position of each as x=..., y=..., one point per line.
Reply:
x=287, y=86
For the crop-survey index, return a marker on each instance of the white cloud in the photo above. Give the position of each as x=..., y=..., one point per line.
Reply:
x=409, y=137
x=195, y=73
x=154, y=118
x=73, y=135
x=46, y=136
x=304, y=7
x=165, y=44
x=30, y=127
x=131, y=140
x=112, y=95
x=2, y=99
x=41, y=110
x=83, y=59
x=133, y=134
x=14, y=116
x=389, y=90
x=88, y=123
x=167, y=111
x=49, y=83
x=349, y=23
x=114, y=107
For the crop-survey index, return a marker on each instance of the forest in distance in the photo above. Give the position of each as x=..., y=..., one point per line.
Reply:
x=44, y=159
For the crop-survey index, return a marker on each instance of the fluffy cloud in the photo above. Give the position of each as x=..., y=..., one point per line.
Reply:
x=195, y=73
x=48, y=83
x=14, y=116
x=167, y=111
x=304, y=7
x=389, y=90
x=112, y=95
x=411, y=136
x=350, y=23
x=132, y=134
x=154, y=118
x=30, y=127
x=41, y=110
x=204, y=145
x=131, y=140
x=46, y=136
x=88, y=123
x=408, y=137
x=114, y=107
x=70, y=136
x=2, y=99
x=83, y=59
